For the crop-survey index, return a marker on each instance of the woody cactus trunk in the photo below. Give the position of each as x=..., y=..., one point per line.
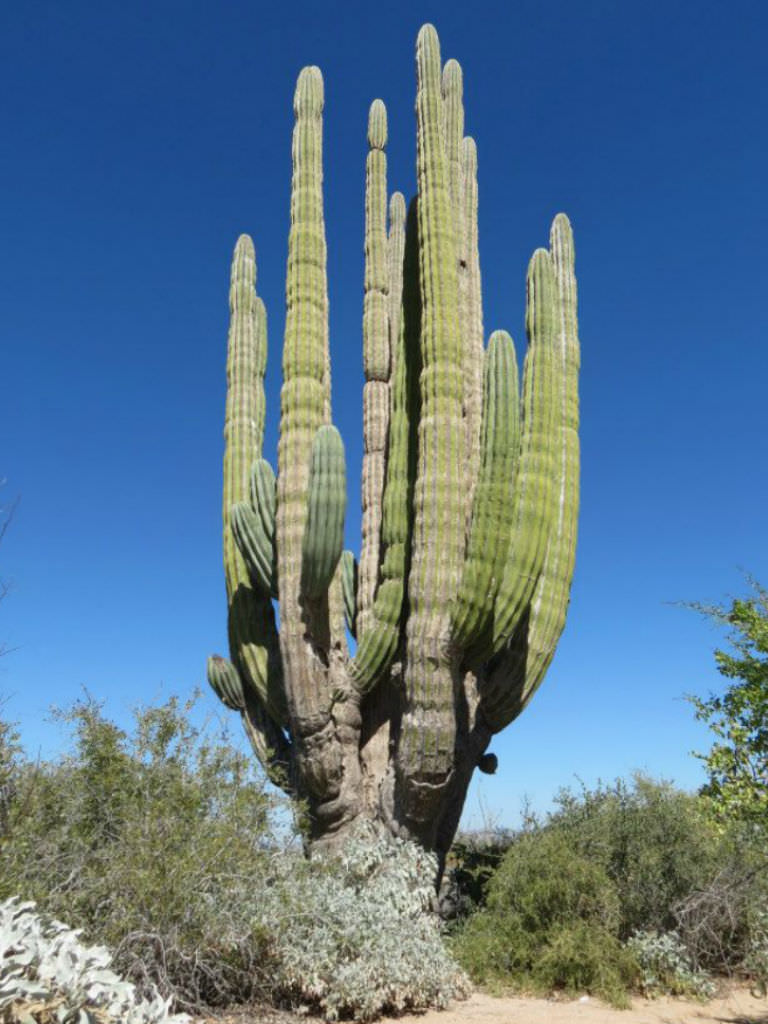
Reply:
x=469, y=494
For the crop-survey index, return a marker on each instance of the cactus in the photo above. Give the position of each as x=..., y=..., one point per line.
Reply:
x=469, y=494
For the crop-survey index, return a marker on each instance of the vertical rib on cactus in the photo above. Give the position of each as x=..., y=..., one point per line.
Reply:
x=427, y=738
x=492, y=507
x=472, y=305
x=303, y=396
x=378, y=644
x=376, y=360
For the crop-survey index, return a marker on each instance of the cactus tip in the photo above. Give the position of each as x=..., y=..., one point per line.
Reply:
x=396, y=207
x=428, y=45
x=377, y=125
x=244, y=246
x=308, y=98
x=469, y=151
x=561, y=230
x=453, y=77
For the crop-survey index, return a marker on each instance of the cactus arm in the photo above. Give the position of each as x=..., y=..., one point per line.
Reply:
x=532, y=514
x=472, y=305
x=267, y=739
x=377, y=646
x=519, y=670
x=327, y=502
x=425, y=752
x=225, y=682
x=251, y=625
x=245, y=406
x=550, y=602
x=304, y=393
x=376, y=360
x=453, y=114
x=270, y=746
x=492, y=506
x=253, y=545
x=349, y=590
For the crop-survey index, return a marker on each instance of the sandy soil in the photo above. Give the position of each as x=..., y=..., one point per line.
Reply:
x=737, y=1007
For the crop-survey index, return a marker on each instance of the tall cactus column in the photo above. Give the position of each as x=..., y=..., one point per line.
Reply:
x=469, y=493
x=425, y=756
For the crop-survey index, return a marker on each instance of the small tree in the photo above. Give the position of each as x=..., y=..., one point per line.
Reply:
x=737, y=764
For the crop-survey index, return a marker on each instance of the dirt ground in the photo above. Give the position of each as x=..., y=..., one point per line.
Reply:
x=736, y=1007
x=739, y=1007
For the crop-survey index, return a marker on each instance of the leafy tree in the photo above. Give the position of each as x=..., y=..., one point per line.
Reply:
x=737, y=764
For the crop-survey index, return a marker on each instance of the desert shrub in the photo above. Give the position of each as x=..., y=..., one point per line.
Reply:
x=470, y=866
x=354, y=935
x=666, y=966
x=756, y=958
x=551, y=920
x=654, y=841
x=148, y=841
x=161, y=844
x=664, y=868
x=47, y=973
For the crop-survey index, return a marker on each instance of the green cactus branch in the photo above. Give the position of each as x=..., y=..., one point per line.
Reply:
x=470, y=491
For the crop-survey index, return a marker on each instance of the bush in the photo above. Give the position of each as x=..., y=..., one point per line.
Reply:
x=551, y=921
x=46, y=972
x=606, y=865
x=355, y=936
x=163, y=845
x=144, y=842
x=666, y=966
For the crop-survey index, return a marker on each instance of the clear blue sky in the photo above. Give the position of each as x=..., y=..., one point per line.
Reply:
x=138, y=141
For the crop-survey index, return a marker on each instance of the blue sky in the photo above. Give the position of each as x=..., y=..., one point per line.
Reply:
x=140, y=139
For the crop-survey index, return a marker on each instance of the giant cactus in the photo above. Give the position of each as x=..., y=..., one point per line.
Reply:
x=469, y=493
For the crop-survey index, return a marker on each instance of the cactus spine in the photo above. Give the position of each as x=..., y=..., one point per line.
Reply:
x=469, y=493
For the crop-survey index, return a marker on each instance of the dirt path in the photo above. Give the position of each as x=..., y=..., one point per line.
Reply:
x=737, y=1007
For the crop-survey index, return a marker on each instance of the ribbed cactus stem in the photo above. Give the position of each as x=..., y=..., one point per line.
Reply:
x=532, y=513
x=522, y=668
x=349, y=590
x=492, y=508
x=327, y=502
x=304, y=396
x=428, y=727
x=550, y=602
x=453, y=92
x=245, y=407
x=251, y=627
x=254, y=546
x=377, y=646
x=225, y=682
x=472, y=312
x=376, y=361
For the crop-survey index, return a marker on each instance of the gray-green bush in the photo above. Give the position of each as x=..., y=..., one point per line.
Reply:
x=161, y=844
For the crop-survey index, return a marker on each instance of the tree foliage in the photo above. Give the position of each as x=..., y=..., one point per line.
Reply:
x=737, y=763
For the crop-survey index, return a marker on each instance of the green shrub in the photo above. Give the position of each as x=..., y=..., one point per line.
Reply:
x=607, y=864
x=162, y=845
x=654, y=841
x=143, y=841
x=551, y=921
